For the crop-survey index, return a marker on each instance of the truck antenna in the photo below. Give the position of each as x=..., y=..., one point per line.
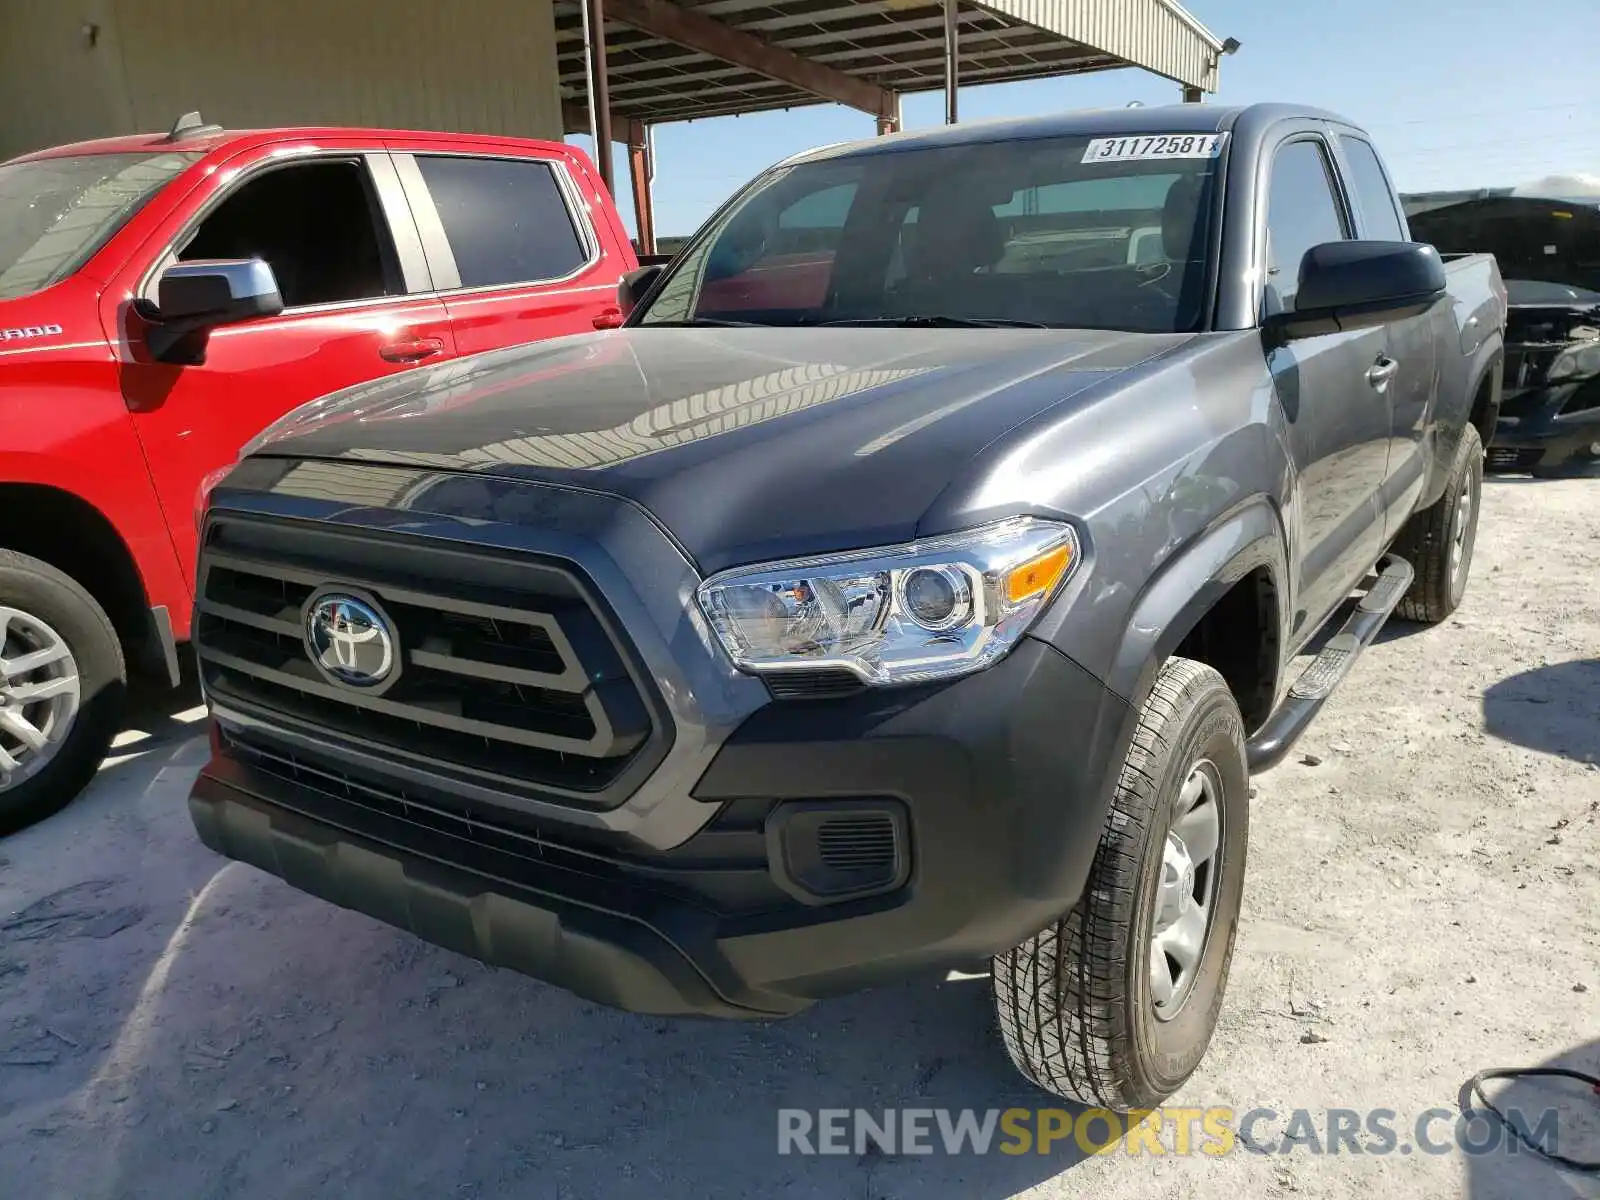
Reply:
x=190, y=125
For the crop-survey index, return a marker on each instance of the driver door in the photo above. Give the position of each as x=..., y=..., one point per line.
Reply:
x=332, y=223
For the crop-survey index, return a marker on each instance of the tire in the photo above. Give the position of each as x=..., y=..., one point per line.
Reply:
x=1430, y=542
x=1077, y=1002
x=40, y=609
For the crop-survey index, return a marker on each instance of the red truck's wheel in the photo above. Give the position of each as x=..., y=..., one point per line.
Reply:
x=1114, y=1005
x=62, y=687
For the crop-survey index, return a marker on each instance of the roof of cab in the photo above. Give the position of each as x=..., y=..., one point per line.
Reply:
x=205, y=141
x=1096, y=122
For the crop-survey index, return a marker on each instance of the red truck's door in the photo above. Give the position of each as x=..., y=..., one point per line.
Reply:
x=519, y=248
x=330, y=218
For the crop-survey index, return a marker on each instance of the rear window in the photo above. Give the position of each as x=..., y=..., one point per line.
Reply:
x=1045, y=231
x=506, y=219
x=56, y=212
x=1379, y=215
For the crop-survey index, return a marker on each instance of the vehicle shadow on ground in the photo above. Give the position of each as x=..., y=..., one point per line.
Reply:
x=316, y=1051
x=160, y=715
x=89, y=899
x=1558, y=1113
x=1551, y=709
x=186, y=1026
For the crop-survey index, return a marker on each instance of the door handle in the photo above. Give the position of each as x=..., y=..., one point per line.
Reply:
x=414, y=350
x=1380, y=372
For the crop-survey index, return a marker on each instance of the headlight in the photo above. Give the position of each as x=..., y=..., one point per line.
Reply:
x=1574, y=362
x=928, y=610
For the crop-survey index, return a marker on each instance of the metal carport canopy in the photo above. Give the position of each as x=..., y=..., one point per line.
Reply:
x=679, y=60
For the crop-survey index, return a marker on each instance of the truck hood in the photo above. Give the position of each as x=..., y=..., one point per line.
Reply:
x=744, y=443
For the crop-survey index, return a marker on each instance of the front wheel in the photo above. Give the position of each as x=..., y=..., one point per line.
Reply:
x=1114, y=1005
x=62, y=685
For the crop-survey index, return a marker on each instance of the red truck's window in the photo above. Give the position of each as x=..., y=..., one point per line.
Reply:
x=56, y=212
x=506, y=219
x=797, y=262
x=316, y=224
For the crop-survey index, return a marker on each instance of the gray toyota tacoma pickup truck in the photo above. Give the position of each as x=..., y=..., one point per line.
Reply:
x=913, y=581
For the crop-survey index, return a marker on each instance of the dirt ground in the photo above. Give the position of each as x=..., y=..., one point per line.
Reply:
x=1423, y=903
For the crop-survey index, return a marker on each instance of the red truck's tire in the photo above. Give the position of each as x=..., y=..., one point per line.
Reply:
x=42, y=610
x=1077, y=1002
x=1438, y=541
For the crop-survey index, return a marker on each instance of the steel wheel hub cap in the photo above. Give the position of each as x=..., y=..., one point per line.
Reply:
x=1181, y=920
x=39, y=695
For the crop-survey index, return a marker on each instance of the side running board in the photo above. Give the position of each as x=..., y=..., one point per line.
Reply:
x=1311, y=691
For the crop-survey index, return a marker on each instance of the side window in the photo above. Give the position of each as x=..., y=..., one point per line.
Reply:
x=317, y=224
x=1379, y=217
x=506, y=219
x=1302, y=212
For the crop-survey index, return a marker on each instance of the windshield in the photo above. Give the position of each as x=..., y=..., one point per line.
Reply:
x=1535, y=241
x=1018, y=232
x=56, y=212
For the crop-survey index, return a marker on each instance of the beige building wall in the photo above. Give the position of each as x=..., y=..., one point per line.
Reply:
x=99, y=67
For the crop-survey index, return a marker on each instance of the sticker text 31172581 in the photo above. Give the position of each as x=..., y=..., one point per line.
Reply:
x=1153, y=146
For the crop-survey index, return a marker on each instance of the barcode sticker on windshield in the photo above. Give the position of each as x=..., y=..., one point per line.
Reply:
x=1158, y=145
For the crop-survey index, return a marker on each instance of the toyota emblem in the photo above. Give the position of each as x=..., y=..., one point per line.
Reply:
x=350, y=640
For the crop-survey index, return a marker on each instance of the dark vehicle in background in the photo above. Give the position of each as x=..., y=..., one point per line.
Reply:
x=913, y=581
x=1548, y=250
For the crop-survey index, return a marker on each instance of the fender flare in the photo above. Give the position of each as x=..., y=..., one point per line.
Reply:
x=1488, y=363
x=1451, y=420
x=1189, y=584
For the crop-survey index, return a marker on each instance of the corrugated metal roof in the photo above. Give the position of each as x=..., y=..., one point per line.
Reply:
x=893, y=44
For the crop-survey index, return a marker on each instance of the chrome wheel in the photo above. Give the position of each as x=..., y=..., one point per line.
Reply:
x=39, y=695
x=1461, y=528
x=1190, y=860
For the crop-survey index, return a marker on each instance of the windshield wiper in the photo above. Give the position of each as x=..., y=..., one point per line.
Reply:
x=939, y=321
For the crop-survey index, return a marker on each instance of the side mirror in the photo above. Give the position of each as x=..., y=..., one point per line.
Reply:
x=1356, y=285
x=194, y=297
x=635, y=285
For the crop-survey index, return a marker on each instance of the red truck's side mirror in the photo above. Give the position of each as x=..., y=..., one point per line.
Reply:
x=194, y=297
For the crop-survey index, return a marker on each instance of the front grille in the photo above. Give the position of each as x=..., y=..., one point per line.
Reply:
x=510, y=674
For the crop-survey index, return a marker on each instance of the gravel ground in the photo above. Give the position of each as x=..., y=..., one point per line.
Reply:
x=1423, y=903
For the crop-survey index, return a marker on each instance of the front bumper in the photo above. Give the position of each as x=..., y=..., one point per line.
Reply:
x=1004, y=778
x=1545, y=427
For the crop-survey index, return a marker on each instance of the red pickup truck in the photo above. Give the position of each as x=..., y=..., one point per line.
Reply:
x=164, y=298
